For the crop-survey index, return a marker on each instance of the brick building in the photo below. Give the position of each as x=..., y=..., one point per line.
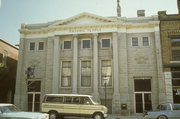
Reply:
x=170, y=41
x=8, y=66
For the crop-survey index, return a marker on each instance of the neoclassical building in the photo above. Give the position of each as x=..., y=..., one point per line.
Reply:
x=117, y=60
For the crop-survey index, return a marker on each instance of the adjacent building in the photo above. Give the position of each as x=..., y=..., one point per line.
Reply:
x=8, y=66
x=170, y=43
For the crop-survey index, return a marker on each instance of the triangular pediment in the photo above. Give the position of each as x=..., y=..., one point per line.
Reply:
x=83, y=19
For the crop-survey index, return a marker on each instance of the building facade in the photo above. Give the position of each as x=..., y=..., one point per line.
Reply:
x=8, y=66
x=117, y=60
x=170, y=40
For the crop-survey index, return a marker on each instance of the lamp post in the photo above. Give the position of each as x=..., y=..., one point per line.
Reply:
x=106, y=80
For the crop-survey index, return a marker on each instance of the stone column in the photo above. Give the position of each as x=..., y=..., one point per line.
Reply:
x=116, y=95
x=20, y=97
x=95, y=93
x=56, y=59
x=47, y=83
x=75, y=64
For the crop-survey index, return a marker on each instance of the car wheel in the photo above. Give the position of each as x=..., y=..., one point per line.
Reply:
x=98, y=116
x=53, y=115
x=162, y=117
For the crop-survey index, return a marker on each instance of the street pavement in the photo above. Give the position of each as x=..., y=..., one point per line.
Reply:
x=110, y=117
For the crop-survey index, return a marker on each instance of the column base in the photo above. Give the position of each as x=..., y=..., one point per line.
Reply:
x=116, y=107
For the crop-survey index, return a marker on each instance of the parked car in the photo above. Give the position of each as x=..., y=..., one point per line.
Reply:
x=164, y=111
x=10, y=111
x=60, y=105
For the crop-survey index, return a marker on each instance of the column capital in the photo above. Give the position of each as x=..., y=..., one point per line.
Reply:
x=95, y=34
x=75, y=35
x=56, y=37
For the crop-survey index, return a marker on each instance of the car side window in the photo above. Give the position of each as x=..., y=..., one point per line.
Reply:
x=85, y=101
x=76, y=100
x=68, y=100
x=176, y=107
x=54, y=99
x=163, y=107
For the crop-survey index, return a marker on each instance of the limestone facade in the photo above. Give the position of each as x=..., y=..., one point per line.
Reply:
x=82, y=53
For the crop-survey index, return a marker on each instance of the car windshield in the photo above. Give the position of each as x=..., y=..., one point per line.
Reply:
x=9, y=109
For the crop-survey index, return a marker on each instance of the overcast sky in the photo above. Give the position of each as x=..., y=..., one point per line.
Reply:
x=13, y=13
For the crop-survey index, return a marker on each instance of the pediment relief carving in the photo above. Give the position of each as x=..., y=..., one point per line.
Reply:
x=84, y=19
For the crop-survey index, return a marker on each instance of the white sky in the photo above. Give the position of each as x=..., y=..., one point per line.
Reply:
x=13, y=13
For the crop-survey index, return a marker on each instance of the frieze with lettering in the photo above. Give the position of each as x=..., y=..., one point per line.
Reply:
x=84, y=30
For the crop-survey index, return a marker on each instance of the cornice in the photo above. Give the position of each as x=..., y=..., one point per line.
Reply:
x=90, y=26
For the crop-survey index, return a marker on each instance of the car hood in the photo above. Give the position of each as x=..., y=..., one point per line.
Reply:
x=23, y=114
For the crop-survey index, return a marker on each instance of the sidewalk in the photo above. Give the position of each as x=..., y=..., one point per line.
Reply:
x=124, y=117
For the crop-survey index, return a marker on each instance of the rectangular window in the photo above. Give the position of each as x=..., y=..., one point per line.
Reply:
x=32, y=46
x=135, y=41
x=175, y=46
x=86, y=44
x=145, y=41
x=105, y=43
x=106, y=72
x=142, y=85
x=85, y=73
x=67, y=44
x=41, y=46
x=34, y=86
x=66, y=74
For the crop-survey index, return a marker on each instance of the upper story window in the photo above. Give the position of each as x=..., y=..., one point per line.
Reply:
x=67, y=44
x=135, y=41
x=86, y=44
x=85, y=73
x=106, y=72
x=32, y=46
x=105, y=43
x=145, y=41
x=41, y=46
x=175, y=46
x=66, y=73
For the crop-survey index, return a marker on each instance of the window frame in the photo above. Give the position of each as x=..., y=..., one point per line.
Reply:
x=102, y=43
x=132, y=43
x=111, y=77
x=82, y=44
x=42, y=47
x=61, y=81
x=148, y=41
x=30, y=46
x=90, y=73
x=64, y=45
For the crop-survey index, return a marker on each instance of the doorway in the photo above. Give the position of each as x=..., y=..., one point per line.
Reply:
x=142, y=102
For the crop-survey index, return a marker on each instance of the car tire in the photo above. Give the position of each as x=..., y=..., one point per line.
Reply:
x=53, y=115
x=162, y=117
x=98, y=116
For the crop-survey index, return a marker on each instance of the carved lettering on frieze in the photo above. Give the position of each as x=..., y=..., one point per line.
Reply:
x=84, y=30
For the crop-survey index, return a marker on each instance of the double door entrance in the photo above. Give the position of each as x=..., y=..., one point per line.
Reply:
x=143, y=102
